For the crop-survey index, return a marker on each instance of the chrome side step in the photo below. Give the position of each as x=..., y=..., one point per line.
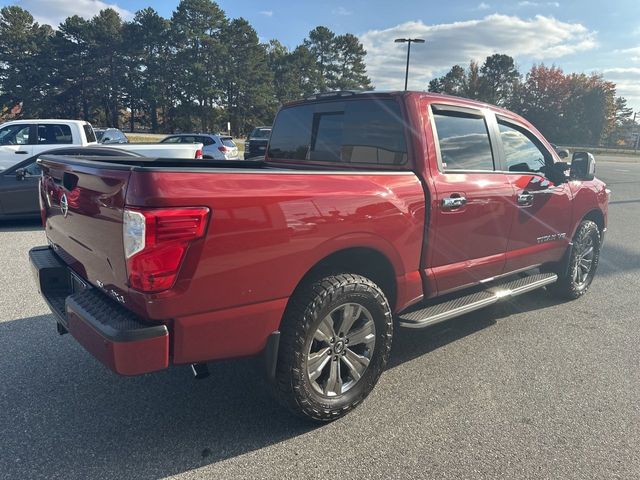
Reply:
x=459, y=306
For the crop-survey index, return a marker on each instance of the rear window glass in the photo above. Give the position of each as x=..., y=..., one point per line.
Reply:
x=260, y=133
x=228, y=142
x=170, y=140
x=88, y=132
x=464, y=142
x=357, y=131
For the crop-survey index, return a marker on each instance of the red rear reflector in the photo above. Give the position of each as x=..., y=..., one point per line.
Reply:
x=158, y=248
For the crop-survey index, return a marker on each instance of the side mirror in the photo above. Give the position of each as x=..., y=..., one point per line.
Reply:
x=583, y=166
x=21, y=174
x=106, y=139
x=563, y=153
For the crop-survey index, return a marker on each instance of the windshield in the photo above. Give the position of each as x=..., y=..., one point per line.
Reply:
x=14, y=135
x=260, y=133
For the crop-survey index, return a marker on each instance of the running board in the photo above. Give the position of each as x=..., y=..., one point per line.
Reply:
x=459, y=306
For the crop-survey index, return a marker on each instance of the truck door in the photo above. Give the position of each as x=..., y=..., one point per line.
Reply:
x=16, y=143
x=540, y=231
x=471, y=213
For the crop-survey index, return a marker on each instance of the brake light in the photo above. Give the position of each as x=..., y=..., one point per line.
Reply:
x=156, y=241
x=199, y=153
x=223, y=149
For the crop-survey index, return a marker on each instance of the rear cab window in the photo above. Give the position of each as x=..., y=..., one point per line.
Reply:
x=463, y=139
x=228, y=142
x=368, y=131
x=89, y=133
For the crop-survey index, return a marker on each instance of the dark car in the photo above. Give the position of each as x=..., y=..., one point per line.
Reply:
x=19, y=183
x=110, y=135
x=256, y=143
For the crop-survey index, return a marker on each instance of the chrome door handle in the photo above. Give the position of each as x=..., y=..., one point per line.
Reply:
x=453, y=202
x=525, y=198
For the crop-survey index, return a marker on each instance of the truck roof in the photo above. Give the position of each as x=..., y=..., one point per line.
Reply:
x=49, y=120
x=346, y=94
x=431, y=96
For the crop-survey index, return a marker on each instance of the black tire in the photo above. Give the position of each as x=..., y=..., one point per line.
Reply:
x=574, y=282
x=310, y=307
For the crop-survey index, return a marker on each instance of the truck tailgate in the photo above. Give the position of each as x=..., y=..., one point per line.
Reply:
x=84, y=210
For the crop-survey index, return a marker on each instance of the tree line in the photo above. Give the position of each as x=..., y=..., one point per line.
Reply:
x=196, y=70
x=569, y=109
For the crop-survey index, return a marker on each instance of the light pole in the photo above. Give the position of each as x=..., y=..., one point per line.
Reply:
x=409, y=41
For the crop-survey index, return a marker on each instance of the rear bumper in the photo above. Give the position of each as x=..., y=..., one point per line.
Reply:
x=118, y=338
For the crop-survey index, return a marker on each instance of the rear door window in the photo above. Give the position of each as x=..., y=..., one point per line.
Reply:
x=366, y=131
x=464, y=141
x=206, y=140
x=171, y=140
x=54, y=134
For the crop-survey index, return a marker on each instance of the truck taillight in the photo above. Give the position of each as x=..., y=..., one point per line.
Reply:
x=199, y=153
x=156, y=241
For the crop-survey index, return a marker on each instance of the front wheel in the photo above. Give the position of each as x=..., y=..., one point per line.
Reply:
x=335, y=341
x=583, y=261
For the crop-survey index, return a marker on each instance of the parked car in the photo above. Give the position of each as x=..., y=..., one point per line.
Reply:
x=216, y=147
x=21, y=139
x=256, y=143
x=110, y=135
x=19, y=183
x=563, y=153
x=369, y=209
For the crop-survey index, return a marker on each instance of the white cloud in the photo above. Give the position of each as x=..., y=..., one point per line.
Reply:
x=539, y=4
x=483, y=6
x=266, y=13
x=539, y=38
x=55, y=12
x=627, y=80
x=341, y=11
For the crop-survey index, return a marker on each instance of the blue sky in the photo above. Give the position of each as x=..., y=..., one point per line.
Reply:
x=574, y=35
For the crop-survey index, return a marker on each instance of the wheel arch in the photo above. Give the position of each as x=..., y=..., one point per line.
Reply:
x=596, y=216
x=366, y=261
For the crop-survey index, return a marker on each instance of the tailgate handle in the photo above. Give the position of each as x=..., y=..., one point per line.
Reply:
x=69, y=181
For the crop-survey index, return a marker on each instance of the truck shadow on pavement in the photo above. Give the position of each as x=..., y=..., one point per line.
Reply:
x=64, y=415
x=22, y=225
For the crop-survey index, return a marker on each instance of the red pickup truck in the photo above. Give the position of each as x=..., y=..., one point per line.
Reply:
x=370, y=211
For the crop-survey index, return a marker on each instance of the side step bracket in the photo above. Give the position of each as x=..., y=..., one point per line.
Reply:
x=475, y=301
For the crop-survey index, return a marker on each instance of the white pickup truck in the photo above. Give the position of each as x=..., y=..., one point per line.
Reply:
x=21, y=139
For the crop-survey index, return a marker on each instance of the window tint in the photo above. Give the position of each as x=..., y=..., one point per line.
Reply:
x=54, y=134
x=15, y=135
x=88, y=132
x=33, y=169
x=206, y=140
x=464, y=142
x=260, y=133
x=521, y=153
x=171, y=140
x=358, y=131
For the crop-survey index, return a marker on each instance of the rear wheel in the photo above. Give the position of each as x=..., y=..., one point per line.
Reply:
x=583, y=261
x=335, y=341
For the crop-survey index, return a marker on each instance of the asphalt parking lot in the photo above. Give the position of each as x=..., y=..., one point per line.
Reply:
x=529, y=389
